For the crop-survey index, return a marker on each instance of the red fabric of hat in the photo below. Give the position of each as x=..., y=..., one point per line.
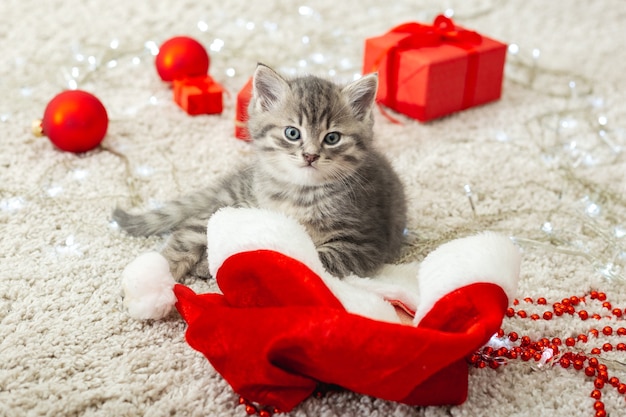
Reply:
x=277, y=331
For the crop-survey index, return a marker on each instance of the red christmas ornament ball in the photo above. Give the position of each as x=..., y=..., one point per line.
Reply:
x=75, y=121
x=182, y=57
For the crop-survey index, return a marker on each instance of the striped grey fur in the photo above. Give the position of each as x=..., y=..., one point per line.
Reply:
x=325, y=174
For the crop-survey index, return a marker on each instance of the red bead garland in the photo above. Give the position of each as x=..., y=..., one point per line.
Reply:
x=561, y=352
x=262, y=411
x=252, y=408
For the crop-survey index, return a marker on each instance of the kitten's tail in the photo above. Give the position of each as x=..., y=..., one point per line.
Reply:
x=155, y=222
x=143, y=224
x=199, y=205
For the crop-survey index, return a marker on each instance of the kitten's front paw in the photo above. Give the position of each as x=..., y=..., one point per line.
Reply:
x=342, y=260
x=333, y=264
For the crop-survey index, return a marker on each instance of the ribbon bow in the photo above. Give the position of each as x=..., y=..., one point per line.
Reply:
x=441, y=31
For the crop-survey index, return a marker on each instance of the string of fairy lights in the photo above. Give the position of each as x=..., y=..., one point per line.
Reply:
x=579, y=136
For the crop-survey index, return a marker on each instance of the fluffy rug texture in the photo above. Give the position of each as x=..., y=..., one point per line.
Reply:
x=544, y=165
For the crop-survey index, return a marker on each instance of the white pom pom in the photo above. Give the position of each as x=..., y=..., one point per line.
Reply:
x=148, y=287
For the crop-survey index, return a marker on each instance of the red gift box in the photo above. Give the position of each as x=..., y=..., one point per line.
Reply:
x=199, y=95
x=429, y=71
x=241, y=112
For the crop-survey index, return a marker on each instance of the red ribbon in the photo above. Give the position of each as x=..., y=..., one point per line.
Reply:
x=442, y=31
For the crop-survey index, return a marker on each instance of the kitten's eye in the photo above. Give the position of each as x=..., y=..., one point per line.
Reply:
x=332, y=138
x=292, y=133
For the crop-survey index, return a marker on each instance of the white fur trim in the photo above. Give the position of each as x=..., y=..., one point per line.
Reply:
x=392, y=283
x=148, y=287
x=358, y=299
x=235, y=230
x=486, y=257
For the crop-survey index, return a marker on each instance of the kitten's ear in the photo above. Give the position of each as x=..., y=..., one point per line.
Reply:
x=268, y=87
x=361, y=94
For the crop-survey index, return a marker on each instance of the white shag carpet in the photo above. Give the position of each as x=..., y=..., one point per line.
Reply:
x=545, y=165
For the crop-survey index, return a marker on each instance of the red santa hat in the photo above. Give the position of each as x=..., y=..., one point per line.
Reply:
x=282, y=324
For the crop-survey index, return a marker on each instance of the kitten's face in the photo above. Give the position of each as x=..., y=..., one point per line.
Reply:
x=309, y=131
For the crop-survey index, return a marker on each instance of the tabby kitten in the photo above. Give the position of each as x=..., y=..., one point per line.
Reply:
x=314, y=161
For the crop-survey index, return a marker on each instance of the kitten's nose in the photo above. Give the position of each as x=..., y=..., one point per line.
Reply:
x=310, y=158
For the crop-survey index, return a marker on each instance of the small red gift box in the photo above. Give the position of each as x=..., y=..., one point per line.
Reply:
x=241, y=112
x=429, y=71
x=199, y=95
